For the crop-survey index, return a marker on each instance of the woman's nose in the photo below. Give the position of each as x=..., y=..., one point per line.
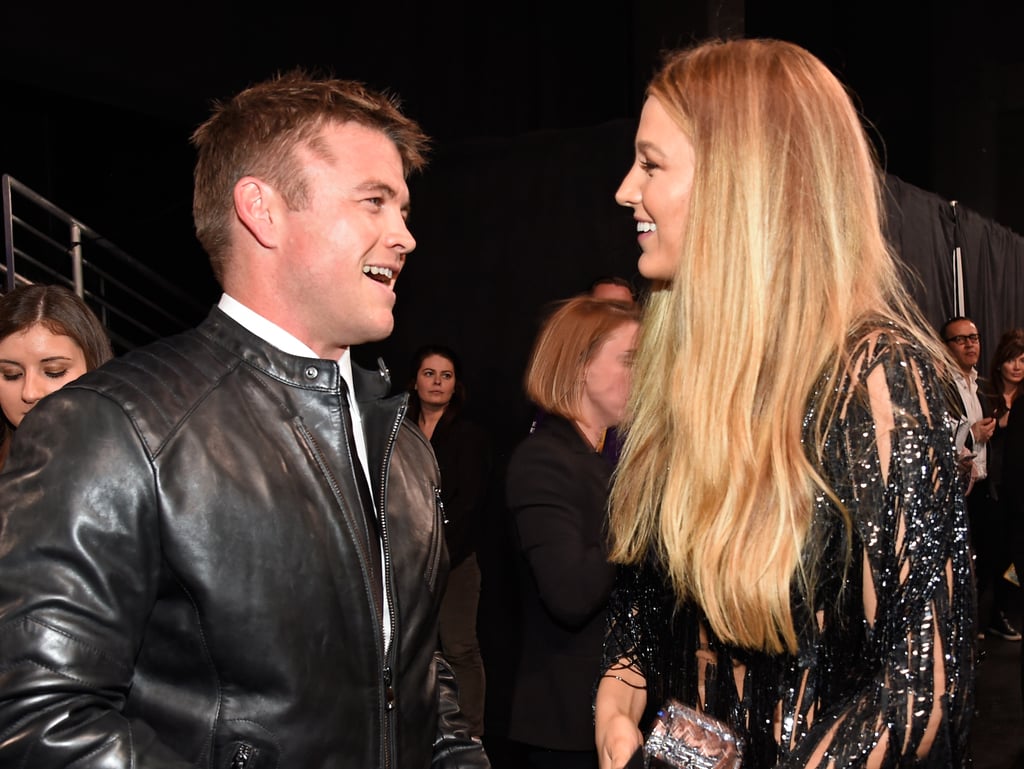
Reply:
x=628, y=193
x=32, y=388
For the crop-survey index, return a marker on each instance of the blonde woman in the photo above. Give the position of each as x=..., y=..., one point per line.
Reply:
x=786, y=504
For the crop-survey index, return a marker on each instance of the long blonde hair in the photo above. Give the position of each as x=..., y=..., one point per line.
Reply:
x=784, y=256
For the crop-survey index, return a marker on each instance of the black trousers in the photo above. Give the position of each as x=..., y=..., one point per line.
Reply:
x=992, y=539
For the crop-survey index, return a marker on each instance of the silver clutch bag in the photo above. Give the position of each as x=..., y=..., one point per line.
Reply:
x=684, y=738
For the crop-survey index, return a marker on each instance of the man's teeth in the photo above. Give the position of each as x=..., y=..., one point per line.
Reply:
x=378, y=273
x=646, y=227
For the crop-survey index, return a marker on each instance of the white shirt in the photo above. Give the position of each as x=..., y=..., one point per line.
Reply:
x=967, y=384
x=274, y=335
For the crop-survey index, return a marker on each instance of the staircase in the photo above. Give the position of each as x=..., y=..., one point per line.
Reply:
x=44, y=244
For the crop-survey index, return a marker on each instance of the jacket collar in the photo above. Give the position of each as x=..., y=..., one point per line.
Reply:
x=299, y=371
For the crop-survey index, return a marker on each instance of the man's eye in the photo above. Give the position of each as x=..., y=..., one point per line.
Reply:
x=378, y=202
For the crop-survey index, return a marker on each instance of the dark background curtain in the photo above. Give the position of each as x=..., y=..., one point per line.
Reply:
x=924, y=231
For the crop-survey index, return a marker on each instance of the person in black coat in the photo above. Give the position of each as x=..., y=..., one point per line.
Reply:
x=556, y=489
x=1006, y=462
x=463, y=451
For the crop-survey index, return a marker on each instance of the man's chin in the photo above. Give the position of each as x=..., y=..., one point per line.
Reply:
x=381, y=331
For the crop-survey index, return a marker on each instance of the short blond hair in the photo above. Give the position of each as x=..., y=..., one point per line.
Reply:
x=566, y=343
x=257, y=132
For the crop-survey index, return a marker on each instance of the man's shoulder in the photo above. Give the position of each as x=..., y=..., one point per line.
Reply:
x=158, y=384
x=186, y=359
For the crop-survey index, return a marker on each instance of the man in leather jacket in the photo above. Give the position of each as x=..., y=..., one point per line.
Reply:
x=188, y=577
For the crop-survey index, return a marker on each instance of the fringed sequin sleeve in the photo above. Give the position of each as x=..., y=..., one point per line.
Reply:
x=884, y=673
x=890, y=458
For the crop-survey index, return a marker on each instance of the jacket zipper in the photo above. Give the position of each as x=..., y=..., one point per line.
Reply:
x=440, y=504
x=389, y=692
x=242, y=755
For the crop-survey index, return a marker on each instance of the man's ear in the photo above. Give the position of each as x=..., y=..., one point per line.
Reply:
x=255, y=205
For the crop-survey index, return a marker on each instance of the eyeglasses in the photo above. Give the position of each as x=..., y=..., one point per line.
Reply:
x=961, y=339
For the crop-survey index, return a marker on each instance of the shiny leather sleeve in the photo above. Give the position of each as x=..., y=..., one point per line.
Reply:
x=453, y=748
x=78, y=573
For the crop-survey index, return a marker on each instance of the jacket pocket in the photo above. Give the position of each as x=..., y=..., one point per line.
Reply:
x=246, y=745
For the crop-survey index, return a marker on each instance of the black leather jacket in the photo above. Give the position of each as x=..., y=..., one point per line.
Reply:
x=181, y=579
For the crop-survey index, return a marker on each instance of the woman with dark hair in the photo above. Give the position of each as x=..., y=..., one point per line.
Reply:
x=436, y=396
x=1006, y=447
x=48, y=337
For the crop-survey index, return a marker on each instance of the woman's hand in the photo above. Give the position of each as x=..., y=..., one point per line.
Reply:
x=618, y=741
x=621, y=698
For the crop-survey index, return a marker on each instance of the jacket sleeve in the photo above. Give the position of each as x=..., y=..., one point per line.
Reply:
x=453, y=748
x=79, y=562
x=559, y=525
x=465, y=474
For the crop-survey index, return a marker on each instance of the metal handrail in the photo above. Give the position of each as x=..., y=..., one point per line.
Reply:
x=131, y=280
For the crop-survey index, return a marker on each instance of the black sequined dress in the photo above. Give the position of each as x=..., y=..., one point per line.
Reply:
x=855, y=686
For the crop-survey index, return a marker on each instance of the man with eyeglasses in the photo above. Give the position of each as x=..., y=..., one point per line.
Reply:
x=988, y=529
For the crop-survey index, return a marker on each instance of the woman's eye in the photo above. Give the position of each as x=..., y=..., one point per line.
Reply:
x=57, y=374
x=447, y=376
x=647, y=165
x=11, y=377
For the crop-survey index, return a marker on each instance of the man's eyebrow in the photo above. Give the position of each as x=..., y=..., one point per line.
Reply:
x=377, y=186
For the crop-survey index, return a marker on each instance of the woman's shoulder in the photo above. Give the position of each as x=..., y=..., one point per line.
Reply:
x=885, y=344
x=554, y=439
x=542, y=438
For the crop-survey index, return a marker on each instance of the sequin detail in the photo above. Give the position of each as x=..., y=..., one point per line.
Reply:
x=856, y=685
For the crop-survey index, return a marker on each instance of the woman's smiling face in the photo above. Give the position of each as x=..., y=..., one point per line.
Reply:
x=657, y=188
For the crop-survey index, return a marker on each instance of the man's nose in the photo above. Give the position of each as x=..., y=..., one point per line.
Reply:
x=401, y=238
